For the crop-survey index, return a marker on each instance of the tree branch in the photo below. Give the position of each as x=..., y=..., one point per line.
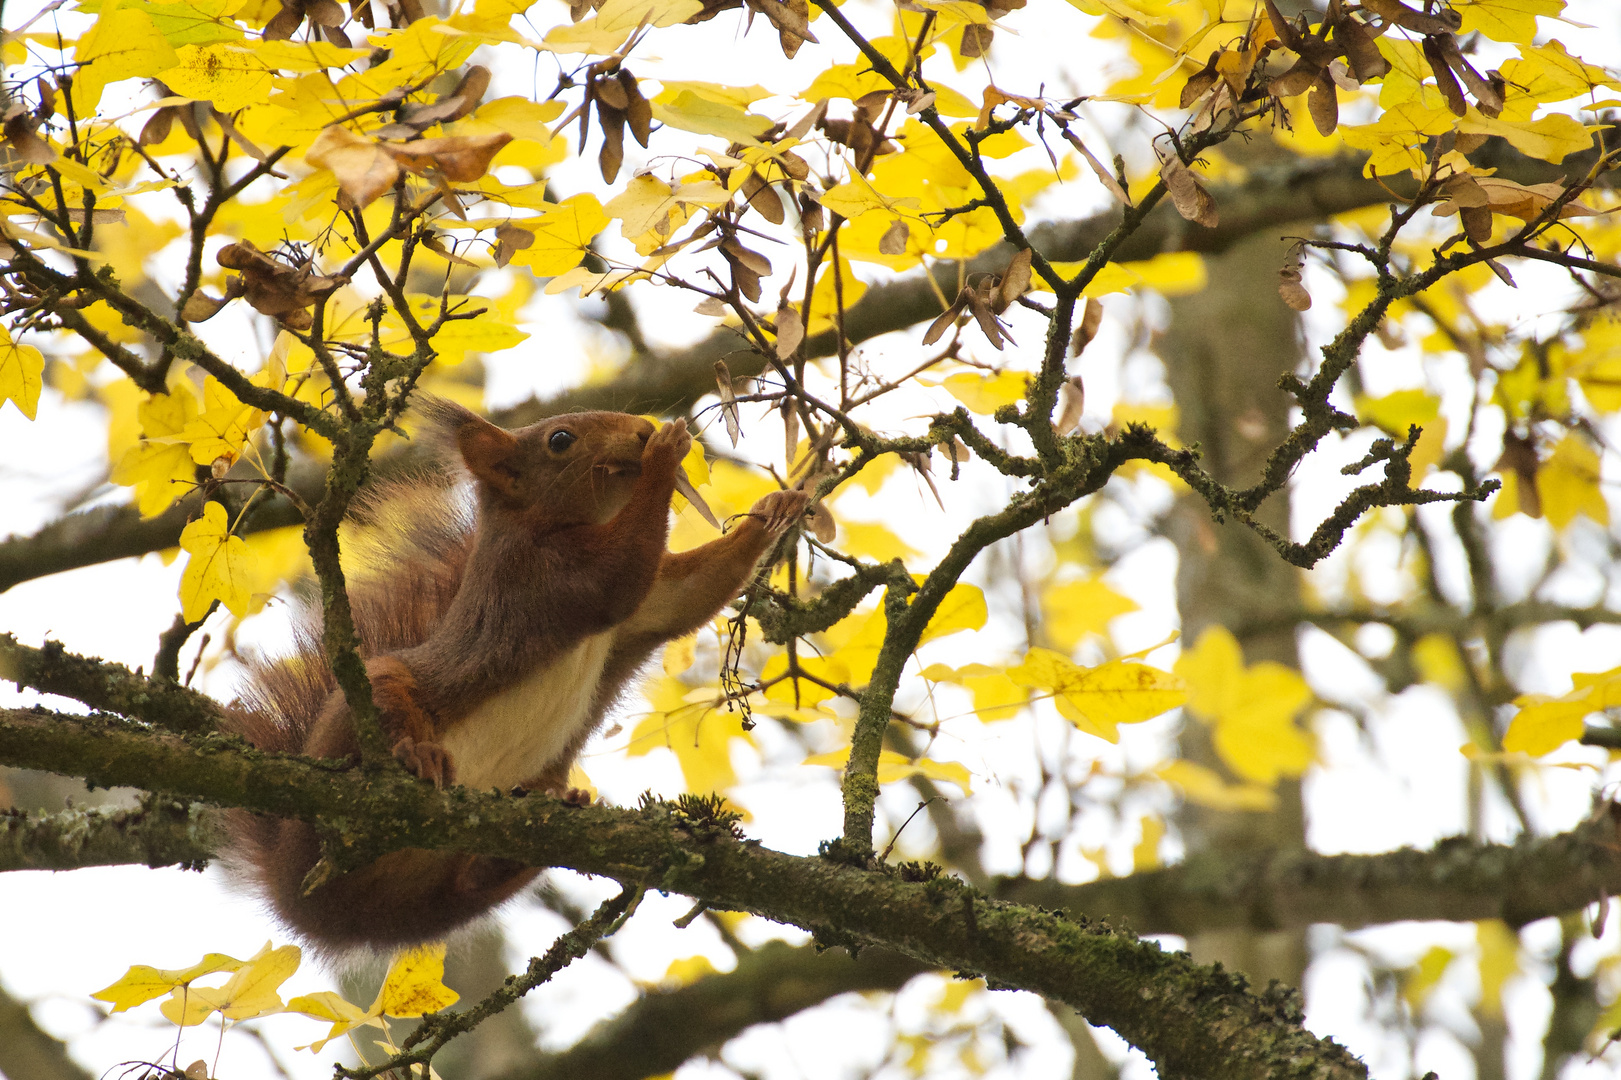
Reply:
x=1192, y=1021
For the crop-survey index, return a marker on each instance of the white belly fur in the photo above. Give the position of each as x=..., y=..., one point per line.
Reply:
x=514, y=735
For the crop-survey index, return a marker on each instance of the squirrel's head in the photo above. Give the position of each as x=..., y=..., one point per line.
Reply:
x=574, y=469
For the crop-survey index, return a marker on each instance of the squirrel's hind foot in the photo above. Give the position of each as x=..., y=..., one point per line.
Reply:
x=428, y=760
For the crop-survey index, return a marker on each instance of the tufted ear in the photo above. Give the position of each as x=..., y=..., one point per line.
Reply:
x=486, y=449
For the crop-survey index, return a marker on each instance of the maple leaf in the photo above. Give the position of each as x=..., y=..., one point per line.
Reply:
x=220, y=568
x=22, y=374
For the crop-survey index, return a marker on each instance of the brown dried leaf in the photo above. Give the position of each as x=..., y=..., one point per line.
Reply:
x=1363, y=55
x=1289, y=286
x=364, y=169
x=980, y=308
x=976, y=39
x=22, y=133
x=1477, y=223
x=728, y=397
x=1297, y=80
x=461, y=159
x=1444, y=79
x=612, y=154
x=710, y=306
x=1323, y=102
x=1015, y=281
x=895, y=238
x=1396, y=13
x=273, y=287
x=436, y=244
x=822, y=525
x=1091, y=319
x=1487, y=96
x=790, y=437
x=790, y=330
x=511, y=239
x=452, y=106
x=749, y=258
x=1200, y=82
x=1192, y=201
x=158, y=126
x=638, y=111
x=1105, y=177
x=766, y=202
x=1071, y=403
x=945, y=318
x=202, y=307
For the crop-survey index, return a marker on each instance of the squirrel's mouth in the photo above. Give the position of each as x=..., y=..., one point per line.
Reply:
x=620, y=468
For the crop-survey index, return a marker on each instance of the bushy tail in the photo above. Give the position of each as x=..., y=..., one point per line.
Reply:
x=405, y=549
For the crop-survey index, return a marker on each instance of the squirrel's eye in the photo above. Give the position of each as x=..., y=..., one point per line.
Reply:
x=560, y=441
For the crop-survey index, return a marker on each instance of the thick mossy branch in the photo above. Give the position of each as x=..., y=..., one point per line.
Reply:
x=1192, y=1021
x=1458, y=879
x=160, y=832
x=105, y=686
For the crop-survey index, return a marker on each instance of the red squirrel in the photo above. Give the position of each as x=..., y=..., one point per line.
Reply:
x=495, y=642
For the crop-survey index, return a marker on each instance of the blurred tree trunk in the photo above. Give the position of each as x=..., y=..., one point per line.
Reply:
x=1224, y=350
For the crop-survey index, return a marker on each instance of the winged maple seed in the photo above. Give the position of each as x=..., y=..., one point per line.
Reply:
x=365, y=168
x=1289, y=274
x=1189, y=197
x=985, y=297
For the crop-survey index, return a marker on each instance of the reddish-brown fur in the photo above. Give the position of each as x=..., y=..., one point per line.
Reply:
x=562, y=574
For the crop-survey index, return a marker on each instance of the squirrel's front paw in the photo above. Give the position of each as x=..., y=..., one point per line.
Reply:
x=667, y=446
x=780, y=509
x=427, y=760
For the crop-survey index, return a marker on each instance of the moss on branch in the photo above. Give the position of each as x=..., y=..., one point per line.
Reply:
x=1192, y=1021
x=106, y=686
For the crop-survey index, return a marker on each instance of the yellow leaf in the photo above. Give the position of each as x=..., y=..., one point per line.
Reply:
x=220, y=567
x=22, y=374
x=697, y=733
x=893, y=766
x=251, y=991
x=223, y=427
x=1081, y=607
x=1251, y=709
x=680, y=653
x=415, y=984
x=996, y=697
x=1569, y=483
x=1098, y=700
x=1544, y=724
x=1438, y=661
x=652, y=210
x=1505, y=20
x=1205, y=787
x=326, y=1005
x=142, y=983
x=1394, y=412
x=962, y=609
x=1551, y=138
x=231, y=77
x=874, y=541
x=692, y=111
x=189, y=1006
x=562, y=236
x=1499, y=961
x=123, y=44
x=1145, y=856
x=689, y=970
x=1425, y=975
x=160, y=467
x=982, y=392
x=615, y=21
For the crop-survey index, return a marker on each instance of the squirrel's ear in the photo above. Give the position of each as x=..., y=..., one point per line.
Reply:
x=485, y=448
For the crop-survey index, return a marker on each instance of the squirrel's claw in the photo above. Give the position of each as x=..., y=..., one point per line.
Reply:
x=428, y=760
x=779, y=510
x=672, y=440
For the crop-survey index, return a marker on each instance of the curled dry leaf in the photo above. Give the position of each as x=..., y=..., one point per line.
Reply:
x=461, y=159
x=509, y=240
x=1361, y=53
x=22, y=135
x=452, y=106
x=1399, y=14
x=1071, y=403
x=1444, y=79
x=683, y=484
x=273, y=287
x=728, y=401
x=1322, y=100
x=1289, y=284
x=364, y=170
x=790, y=437
x=1192, y=201
x=710, y=306
x=1087, y=329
